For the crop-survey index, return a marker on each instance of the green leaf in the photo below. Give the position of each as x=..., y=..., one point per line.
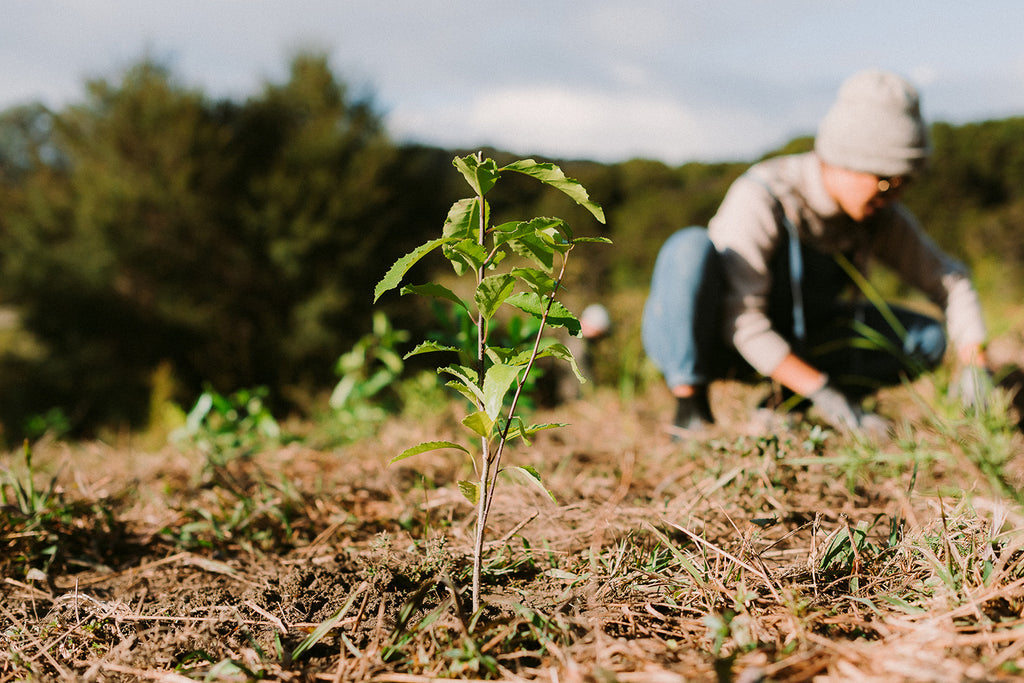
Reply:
x=517, y=357
x=427, y=446
x=471, y=491
x=492, y=292
x=464, y=390
x=466, y=378
x=552, y=175
x=681, y=557
x=526, y=432
x=536, y=249
x=509, y=232
x=554, y=231
x=536, y=305
x=342, y=390
x=466, y=251
x=528, y=476
x=463, y=220
x=537, y=280
x=429, y=347
x=462, y=224
x=199, y=411
x=326, y=626
x=873, y=295
x=498, y=379
x=481, y=174
x=435, y=290
x=402, y=266
x=480, y=423
x=376, y=382
x=496, y=258
x=562, y=352
x=539, y=239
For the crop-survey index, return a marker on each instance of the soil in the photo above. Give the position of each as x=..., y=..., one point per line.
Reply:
x=711, y=558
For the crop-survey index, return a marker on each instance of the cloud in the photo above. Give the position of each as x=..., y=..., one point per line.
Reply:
x=579, y=123
x=605, y=79
x=923, y=75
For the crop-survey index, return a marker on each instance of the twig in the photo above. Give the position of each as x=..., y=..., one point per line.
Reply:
x=517, y=528
x=267, y=615
x=413, y=678
x=35, y=591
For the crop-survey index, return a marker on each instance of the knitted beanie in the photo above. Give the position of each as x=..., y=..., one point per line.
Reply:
x=875, y=126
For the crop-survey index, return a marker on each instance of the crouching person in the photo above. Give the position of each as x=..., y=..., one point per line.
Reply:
x=764, y=288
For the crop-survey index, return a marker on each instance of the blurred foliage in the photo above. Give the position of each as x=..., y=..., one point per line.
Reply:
x=225, y=428
x=234, y=242
x=151, y=225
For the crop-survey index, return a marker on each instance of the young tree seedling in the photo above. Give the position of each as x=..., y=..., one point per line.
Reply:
x=488, y=377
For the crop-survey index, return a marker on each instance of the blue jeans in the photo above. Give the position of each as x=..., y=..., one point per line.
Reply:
x=851, y=341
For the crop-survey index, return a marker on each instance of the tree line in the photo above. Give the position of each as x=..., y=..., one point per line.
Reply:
x=238, y=242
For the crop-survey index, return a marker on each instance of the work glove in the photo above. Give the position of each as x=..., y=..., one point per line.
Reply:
x=973, y=388
x=845, y=415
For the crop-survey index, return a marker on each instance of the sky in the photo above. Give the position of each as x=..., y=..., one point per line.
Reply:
x=607, y=80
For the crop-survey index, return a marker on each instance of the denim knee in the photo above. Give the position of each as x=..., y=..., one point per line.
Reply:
x=687, y=248
x=680, y=319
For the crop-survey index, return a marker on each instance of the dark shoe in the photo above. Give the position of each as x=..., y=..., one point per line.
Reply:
x=693, y=413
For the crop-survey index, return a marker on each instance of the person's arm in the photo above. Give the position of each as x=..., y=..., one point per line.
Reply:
x=909, y=251
x=796, y=374
x=746, y=233
x=972, y=355
x=903, y=245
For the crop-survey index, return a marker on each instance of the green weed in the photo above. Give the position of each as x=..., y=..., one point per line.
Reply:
x=41, y=529
x=224, y=428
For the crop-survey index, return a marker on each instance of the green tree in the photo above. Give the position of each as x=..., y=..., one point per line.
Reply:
x=83, y=255
x=318, y=215
x=225, y=238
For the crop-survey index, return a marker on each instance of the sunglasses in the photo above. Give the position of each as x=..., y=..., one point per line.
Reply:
x=890, y=184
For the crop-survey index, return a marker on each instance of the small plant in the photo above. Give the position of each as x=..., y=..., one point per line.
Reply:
x=42, y=531
x=370, y=366
x=229, y=427
x=366, y=391
x=22, y=497
x=490, y=374
x=54, y=422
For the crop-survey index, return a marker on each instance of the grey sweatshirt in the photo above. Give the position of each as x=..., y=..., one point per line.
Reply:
x=747, y=230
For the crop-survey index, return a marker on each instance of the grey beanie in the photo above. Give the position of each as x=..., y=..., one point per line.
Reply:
x=875, y=126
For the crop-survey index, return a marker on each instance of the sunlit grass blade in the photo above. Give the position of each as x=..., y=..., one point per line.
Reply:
x=323, y=629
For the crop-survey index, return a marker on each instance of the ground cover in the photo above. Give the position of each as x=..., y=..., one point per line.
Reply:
x=759, y=552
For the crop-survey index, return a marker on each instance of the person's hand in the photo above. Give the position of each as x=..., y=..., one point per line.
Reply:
x=845, y=415
x=973, y=387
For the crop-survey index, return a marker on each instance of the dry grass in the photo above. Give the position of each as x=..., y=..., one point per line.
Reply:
x=749, y=555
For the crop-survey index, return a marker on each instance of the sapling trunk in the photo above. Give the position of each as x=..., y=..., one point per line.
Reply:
x=488, y=481
x=485, y=455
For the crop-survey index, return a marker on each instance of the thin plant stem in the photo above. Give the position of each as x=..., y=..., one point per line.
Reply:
x=491, y=466
x=521, y=384
x=485, y=457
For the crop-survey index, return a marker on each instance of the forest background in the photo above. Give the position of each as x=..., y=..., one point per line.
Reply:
x=156, y=243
